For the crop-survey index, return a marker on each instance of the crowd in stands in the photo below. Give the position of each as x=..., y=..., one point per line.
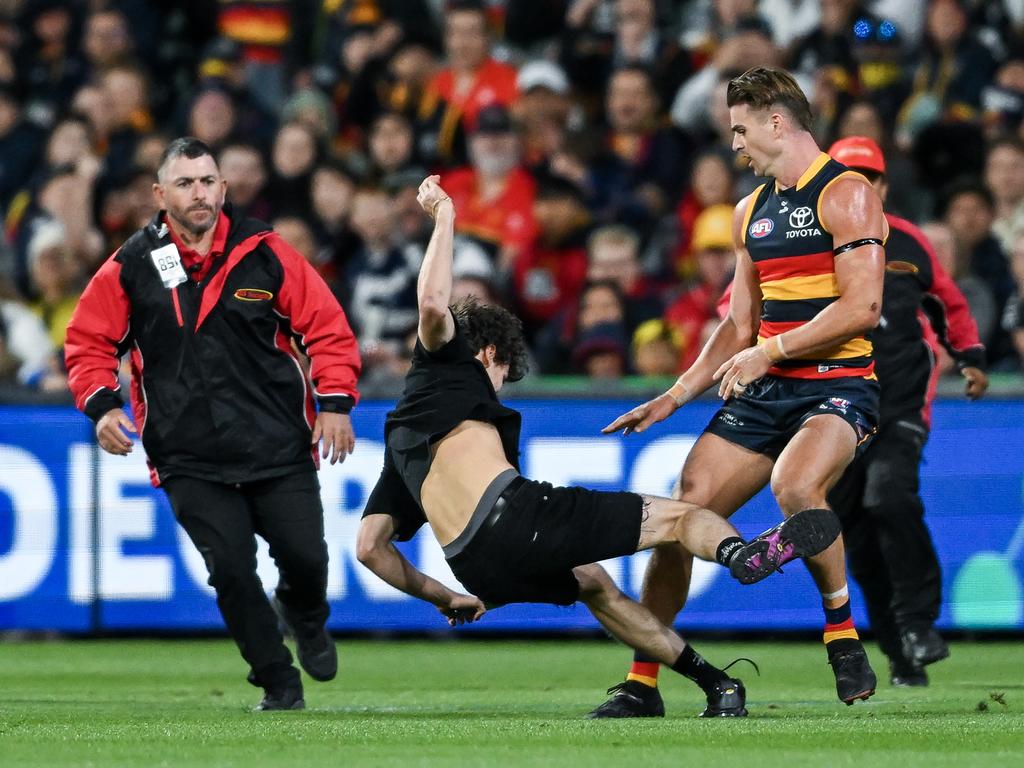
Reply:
x=586, y=144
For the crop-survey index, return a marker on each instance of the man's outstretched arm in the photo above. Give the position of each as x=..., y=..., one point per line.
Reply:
x=376, y=550
x=434, y=286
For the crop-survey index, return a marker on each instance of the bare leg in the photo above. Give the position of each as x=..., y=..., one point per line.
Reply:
x=666, y=582
x=810, y=465
x=626, y=619
x=720, y=476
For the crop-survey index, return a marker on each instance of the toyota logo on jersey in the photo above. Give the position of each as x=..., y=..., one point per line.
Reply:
x=801, y=217
x=761, y=227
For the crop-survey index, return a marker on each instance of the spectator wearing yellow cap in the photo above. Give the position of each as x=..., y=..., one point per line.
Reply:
x=655, y=349
x=693, y=315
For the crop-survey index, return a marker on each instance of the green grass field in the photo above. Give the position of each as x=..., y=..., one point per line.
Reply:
x=496, y=703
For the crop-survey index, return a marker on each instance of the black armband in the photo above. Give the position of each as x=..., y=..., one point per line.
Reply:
x=856, y=244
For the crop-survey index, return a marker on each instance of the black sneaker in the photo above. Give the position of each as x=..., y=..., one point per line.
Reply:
x=854, y=677
x=316, y=650
x=923, y=645
x=804, y=534
x=630, y=698
x=727, y=699
x=907, y=674
x=276, y=699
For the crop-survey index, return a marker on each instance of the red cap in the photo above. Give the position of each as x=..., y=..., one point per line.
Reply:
x=859, y=153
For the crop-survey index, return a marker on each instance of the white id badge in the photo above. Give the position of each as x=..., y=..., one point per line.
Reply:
x=168, y=265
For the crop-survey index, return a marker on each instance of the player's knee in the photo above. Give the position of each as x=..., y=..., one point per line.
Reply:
x=595, y=584
x=795, y=493
x=692, y=487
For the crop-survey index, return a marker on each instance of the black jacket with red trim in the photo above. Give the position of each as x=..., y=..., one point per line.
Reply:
x=218, y=391
x=914, y=280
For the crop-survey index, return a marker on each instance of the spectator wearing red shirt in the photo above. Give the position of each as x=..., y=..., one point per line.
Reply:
x=494, y=196
x=472, y=82
x=694, y=313
x=550, y=273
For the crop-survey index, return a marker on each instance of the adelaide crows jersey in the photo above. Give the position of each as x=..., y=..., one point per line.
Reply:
x=792, y=252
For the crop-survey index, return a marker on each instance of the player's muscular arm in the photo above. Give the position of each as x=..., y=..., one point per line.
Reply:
x=852, y=212
x=739, y=327
x=734, y=333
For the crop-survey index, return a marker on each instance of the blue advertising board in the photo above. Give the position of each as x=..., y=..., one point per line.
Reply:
x=87, y=544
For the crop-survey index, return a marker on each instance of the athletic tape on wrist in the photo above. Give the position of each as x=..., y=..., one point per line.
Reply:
x=781, y=349
x=679, y=399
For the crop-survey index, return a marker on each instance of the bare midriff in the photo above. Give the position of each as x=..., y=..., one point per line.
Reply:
x=463, y=463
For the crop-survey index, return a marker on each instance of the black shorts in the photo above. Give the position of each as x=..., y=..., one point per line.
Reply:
x=771, y=410
x=527, y=554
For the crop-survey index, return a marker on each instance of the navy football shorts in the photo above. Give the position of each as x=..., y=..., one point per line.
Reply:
x=772, y=408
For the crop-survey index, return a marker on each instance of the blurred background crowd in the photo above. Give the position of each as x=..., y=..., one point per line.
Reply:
x=586, y=144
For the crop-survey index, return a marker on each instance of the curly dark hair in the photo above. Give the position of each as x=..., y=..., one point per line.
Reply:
x=486, y=324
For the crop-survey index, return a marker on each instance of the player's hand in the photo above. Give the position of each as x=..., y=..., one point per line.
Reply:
x=336, y=431
x=431, y=197
x=643, y=416
x=977, y=382
x=741, y=369
x=110, y=432
x=462, y=609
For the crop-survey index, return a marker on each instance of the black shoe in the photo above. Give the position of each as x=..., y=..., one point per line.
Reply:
x=854, y=677
x=630, y=698
x=907, y=674
x=316, y=650
x=923, y=645
x=804, y=534
x=727, y=699
x=282, y=699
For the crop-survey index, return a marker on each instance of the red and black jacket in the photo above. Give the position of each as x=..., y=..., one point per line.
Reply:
x=915, y=281
x=218, y=391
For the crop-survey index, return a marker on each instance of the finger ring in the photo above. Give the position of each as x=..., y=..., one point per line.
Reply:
x=739, y=387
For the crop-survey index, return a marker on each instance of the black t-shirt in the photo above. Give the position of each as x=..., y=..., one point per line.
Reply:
x=443, y=389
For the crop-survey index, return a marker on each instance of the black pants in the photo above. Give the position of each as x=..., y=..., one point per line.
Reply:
x=221, y=520
x=888, y=545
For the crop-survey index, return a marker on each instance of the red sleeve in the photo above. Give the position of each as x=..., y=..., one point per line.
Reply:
x=948, y=312
x=723, y=303
x=315, y=316
x=92, y=351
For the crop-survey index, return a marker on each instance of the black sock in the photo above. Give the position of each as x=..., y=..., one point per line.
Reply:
x=692, y=665
x=727, y=548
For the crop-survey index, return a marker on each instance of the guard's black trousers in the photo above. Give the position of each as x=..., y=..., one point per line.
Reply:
x=888, y=545
x=222, y=521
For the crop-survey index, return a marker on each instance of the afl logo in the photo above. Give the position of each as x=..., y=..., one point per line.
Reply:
x=801, y=217
x=253, y=294
x=761, y=227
